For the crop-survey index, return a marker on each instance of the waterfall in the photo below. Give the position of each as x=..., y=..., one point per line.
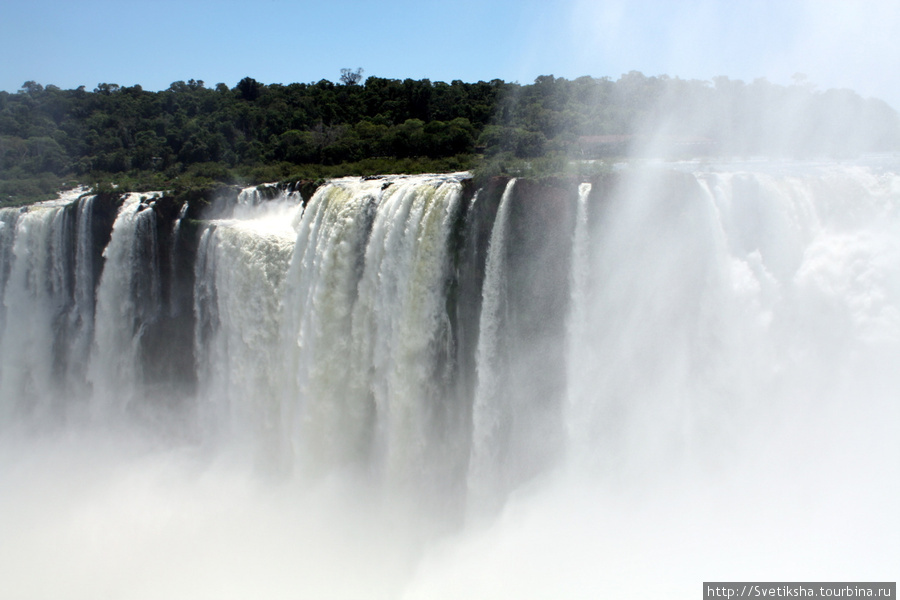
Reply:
x=491, y=411
x=239, y=275
x=8, y=219
x=46, y=284
x=810, y=267
x=732, y=348
x=578, y=360
x=572, y=376
x=128, y=303
x=327, y=392
x=328, y=338
x=174, y=248
x=81, y=318
x=401, y=330
x=366, y=328
x=35, y=299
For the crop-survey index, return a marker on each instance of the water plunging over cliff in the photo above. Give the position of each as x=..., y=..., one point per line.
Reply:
x=296, y=394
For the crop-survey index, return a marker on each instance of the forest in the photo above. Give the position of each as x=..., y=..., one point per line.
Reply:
x=191, y=135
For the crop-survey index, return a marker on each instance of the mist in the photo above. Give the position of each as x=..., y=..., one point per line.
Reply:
x=730, y=395
x=837, y=45
x=95, y=513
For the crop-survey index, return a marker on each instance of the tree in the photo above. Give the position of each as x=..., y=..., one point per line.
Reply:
x=351, y=77
x=32, y=88
x=106, y=88
x=248, y=88
x=47, y=134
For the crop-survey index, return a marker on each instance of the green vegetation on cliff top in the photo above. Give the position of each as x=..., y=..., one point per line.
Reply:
x=192, y=136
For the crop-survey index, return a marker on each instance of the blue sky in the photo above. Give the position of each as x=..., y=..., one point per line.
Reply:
x=836, y=43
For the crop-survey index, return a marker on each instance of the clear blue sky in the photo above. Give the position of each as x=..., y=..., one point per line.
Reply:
x=836, y=43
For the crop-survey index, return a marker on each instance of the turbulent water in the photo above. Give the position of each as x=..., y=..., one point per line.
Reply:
x=403, y=387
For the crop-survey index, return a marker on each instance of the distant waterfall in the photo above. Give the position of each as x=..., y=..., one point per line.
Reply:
x=813, y=263
x=705, y=300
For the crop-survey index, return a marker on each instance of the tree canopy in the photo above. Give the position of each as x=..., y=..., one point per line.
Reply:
x=49, y=136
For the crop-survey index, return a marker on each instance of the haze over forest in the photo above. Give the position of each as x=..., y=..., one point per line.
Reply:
x=192, y=135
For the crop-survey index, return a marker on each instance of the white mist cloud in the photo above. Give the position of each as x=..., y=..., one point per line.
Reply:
x=850, y=44
x=96, y=515
x=843, y=44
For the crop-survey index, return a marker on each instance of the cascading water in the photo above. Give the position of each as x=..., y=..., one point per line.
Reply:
x=401, y=333
x=579, y=360
x=8, y=219
x=339, y=328
x=598, y=373
x=492, y=411
x=239, y=275
x=128, y=302
x=173, y=300
x=81, y=318
x=35, y=296
x=47, y=286
x=327, y=394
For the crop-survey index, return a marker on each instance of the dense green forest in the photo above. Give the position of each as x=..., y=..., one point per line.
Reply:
x=194, y=135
